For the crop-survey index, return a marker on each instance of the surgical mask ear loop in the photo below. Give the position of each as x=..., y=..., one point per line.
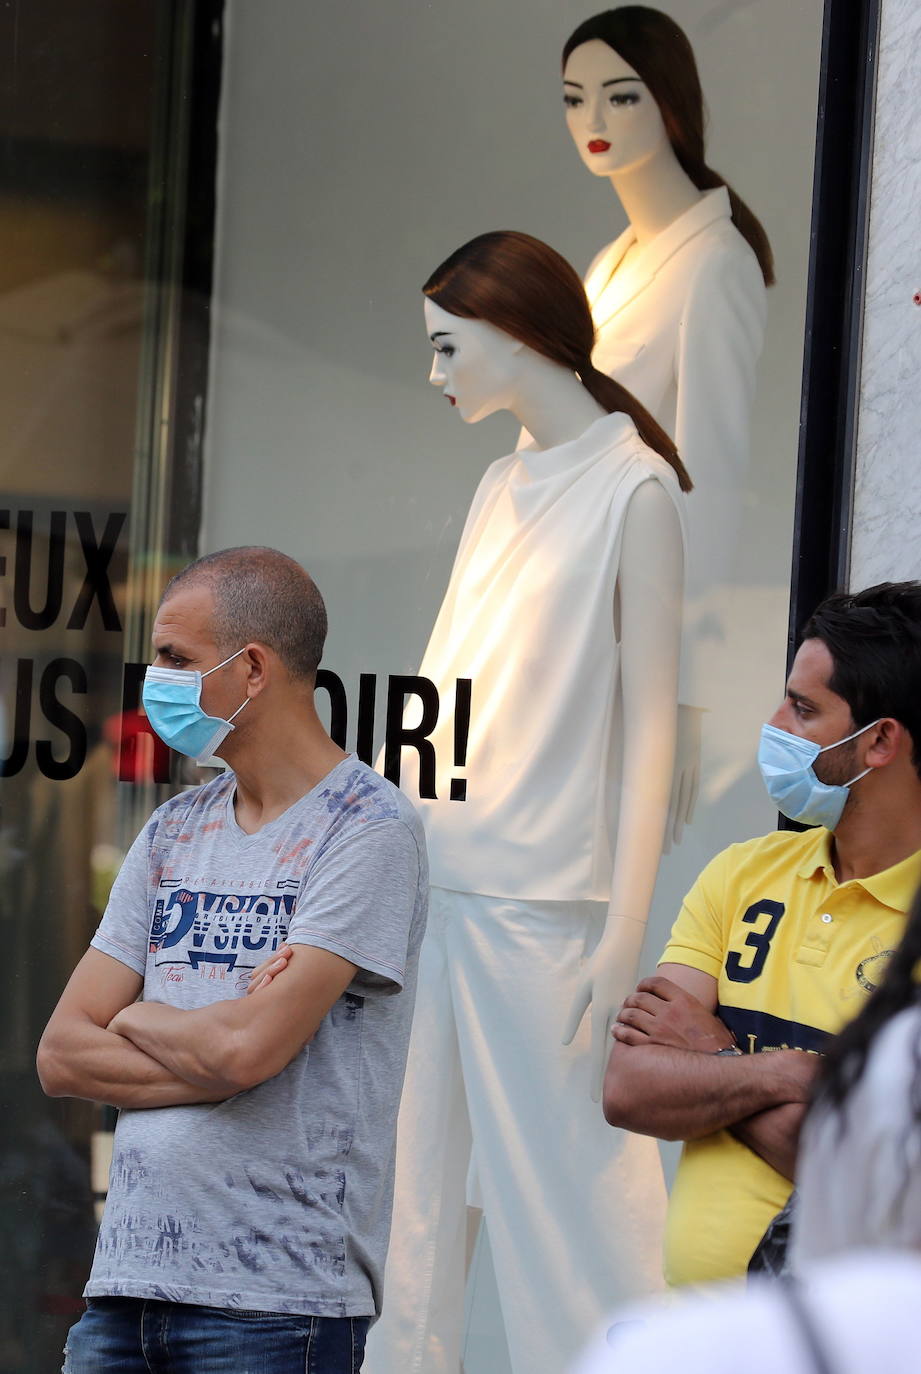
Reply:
x=846, y=740
x=224, y=664
x=231, y=719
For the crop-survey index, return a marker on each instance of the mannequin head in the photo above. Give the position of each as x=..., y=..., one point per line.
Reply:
x=612, y=115
x=651, y=47
x=521, y=287
x=505, y=292
x=475, y=364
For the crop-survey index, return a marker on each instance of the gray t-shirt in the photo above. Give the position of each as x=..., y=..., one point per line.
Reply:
x=279, y=1199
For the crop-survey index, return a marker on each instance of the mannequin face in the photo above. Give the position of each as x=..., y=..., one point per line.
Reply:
x=475, y=364
x=614, y=121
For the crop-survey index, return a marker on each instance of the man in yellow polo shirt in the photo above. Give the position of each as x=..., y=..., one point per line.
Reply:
x=781, y=938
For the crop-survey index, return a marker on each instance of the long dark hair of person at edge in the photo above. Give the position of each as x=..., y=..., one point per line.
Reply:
x=847, y=1055
x=525, y=288
x=661, y=55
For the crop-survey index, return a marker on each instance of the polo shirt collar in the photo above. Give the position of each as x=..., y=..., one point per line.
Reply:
x=817, y=854
x=894, y=887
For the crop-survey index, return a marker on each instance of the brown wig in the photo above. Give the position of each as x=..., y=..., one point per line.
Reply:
x=660, y=53
x=522, y=286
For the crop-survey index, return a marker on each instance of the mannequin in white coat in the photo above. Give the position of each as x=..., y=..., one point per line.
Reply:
x=678, y=299
x=564, y=609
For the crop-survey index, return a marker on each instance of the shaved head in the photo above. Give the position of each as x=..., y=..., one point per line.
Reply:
x=262, y=596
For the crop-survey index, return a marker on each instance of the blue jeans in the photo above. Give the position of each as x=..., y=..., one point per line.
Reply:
x=140, y=1336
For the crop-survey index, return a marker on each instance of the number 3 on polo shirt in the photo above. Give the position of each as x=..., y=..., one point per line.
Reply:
x=758, y=940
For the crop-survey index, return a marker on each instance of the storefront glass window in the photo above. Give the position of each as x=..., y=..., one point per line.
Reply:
x=87, y=214
x=359, y=146
x=359, y=149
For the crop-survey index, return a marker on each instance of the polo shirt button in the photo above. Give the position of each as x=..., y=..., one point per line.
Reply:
x=826, y=919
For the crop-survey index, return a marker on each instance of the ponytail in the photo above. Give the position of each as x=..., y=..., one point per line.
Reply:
x=744, y=219
x=611, y=396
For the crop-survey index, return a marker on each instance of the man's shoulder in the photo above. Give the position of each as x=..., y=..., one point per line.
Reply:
x=779, y=850
x=191, y=808
x=356, y=796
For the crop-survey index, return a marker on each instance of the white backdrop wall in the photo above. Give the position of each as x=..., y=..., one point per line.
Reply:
x=360, y=144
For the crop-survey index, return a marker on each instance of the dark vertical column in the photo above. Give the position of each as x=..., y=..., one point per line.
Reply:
x=834, y=311
x=206, y=37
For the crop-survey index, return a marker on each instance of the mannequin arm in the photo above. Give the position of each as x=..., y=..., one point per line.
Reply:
x=686, y=775
x=720, y=337
x=650, y=591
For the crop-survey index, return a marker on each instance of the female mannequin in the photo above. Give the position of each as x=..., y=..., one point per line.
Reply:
x=564, y=608
x=678, y=299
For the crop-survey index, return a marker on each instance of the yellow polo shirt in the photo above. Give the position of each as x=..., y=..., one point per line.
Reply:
x=795, y=954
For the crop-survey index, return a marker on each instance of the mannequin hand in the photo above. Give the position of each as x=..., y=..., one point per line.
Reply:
x=607, y=977
x=659, y=1012
x=686, y=776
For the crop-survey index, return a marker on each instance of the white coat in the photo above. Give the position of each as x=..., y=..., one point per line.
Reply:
x=681, y=326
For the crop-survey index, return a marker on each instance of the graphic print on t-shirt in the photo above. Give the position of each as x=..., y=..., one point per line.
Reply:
x=209, y=932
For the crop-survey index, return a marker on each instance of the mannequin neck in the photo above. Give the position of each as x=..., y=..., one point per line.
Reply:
x=654, y=193
x=551, y=402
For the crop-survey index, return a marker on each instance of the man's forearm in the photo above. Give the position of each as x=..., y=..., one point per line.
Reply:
x=196, y=1045
x=683, y=1095
x=99, y=1065
x=774, y=1135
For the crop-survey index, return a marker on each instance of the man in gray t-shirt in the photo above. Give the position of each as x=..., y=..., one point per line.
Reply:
x=250, y=1191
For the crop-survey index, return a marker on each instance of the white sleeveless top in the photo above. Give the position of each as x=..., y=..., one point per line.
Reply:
x=528, y=616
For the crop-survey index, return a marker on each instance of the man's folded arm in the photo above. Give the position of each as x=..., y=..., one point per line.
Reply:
x=684, y=1094
x=774, y=1135
x=234, y=1044
x=681, y=1094
x=79, y=1057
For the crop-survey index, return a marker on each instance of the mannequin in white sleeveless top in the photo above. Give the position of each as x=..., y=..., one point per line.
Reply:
x=564, y=608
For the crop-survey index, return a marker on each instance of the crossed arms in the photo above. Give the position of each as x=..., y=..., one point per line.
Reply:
x=665, y=1079
x=103, y=1045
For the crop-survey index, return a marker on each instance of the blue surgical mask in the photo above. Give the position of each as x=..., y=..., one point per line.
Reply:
x=786, y=763
x=172, y=700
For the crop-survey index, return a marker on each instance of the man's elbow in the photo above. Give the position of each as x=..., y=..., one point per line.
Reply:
x=615, y=1113
x=624, y=1098
x=618, y=1097
x=244, y=1062
x=54, y=1072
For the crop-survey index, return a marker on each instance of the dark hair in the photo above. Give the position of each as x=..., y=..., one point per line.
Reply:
x=847, y=1055
x=262, y=596
x=524, y=287
x=874, y=638
x=659, y=51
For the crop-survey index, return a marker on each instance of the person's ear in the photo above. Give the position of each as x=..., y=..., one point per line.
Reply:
x=257, y=660
x=886, y=739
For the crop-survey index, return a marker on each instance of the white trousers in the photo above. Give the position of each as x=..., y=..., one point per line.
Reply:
x=574, y=1209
